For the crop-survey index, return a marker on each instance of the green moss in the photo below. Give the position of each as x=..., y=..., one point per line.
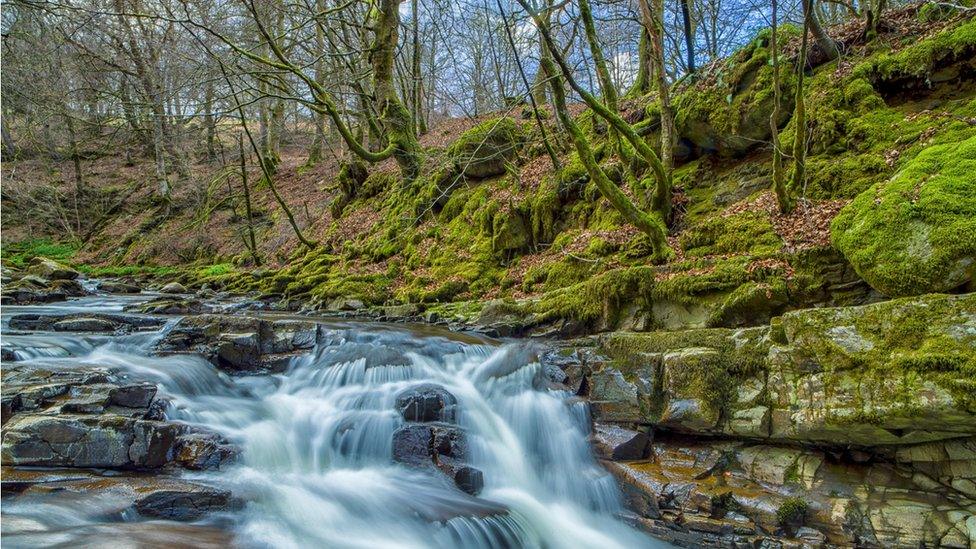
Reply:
x=792, y=512
x=20, y=253
x=746, y=232
x=915, y=233
x=954, y=43
x=483, y=150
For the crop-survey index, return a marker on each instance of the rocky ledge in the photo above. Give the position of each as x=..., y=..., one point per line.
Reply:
x=835, y=426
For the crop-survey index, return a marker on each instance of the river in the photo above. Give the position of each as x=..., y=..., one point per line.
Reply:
x=315, y=467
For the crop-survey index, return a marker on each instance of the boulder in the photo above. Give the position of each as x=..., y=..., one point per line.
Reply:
x=186, y=505
x=90, y=322
x=240, y=343
x=83, y=324
x=484, y=150
x=50, y=269
x=110, y=442
x=426, y=403
x=173, y=288
x=438, y=446
x=915, y=233
x=165, y=305
x=115, y=287
x=202, y=451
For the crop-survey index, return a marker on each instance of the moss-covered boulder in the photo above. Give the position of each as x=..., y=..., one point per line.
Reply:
x=915, y=233
x=484, y=150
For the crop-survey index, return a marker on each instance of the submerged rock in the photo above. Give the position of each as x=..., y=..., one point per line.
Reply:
x=116, y=287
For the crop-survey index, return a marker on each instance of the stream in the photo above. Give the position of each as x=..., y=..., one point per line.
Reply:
x=316, y=441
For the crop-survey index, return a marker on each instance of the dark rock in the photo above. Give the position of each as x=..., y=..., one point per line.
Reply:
x=92, y=322
x=7, y=354
x=239, y=343
x=83, y=324
x=469, y=480
x=113, y=287
x=111, y=442
x=638, y=447
x=70, y=288
x=186, y=505
x=439, y=446
x=427, y=403
x=138, y=395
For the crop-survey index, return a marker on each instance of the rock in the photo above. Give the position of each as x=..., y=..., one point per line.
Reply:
x=426, y=403
x=240, y=343
x=202, y=451
x=621, y=444
x=136, y=395
x=170, y=306
x=68, y=287
x=439, y=446
x=110, y=442
x=484, y=150
x=346, y=304
x=903, y=236
x=90, y=322
x=811, y=537
x=696, y=383
x=114, y=287
x=173, y=288
x=83, y=324
x=186, y=505
x=50, y=269
x=469, y=480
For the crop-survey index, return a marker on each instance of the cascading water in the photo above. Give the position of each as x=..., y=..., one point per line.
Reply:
x=316, y=468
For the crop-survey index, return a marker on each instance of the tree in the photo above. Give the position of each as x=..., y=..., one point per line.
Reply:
x=799, y=114
x=783, y=197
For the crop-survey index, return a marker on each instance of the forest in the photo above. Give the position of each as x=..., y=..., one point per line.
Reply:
x=483, y=273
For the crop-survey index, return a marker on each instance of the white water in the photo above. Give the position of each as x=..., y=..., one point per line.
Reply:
x=316, y=467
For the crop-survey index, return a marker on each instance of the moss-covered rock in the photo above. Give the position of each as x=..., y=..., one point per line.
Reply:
x=484, y=150
x=915, y=233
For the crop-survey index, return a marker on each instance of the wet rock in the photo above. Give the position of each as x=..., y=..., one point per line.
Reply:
x=137, y=395
x=173, y=288
x=439, y=446
x=241, y=344
x=70, y=288
x=426, y=403
x=91, y=322
x=171, y=306
x=111, y=442
x=186, y=505
x=115, y=287
x=469, y=480
x=50, y=269
x=201, y=451
x=7, y=354
x=619, y=444
x=83, y=324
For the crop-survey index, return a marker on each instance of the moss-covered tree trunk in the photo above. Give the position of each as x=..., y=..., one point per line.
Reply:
x=653, y=15
x=642, y=81
x=651, y=225
x=395, y=117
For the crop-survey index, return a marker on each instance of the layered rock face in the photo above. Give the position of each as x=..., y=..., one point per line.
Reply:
x=858, y=423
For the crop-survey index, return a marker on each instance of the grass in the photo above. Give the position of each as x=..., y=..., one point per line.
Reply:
x=19, y=254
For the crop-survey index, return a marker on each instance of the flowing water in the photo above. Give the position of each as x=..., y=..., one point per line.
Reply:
x=316, y=467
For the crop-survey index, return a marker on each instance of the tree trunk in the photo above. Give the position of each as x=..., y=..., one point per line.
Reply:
x=9, y=147
x=779, y=184
x=653, y=22
x=826, y=44
x=799, y=115
x=689, y=34
x=396, y=119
